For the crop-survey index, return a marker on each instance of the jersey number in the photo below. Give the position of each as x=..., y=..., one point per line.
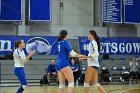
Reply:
x=58, y=47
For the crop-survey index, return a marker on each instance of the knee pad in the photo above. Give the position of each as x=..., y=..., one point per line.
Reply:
x=86, y=85
x=61, y=85
x=24, y=87
x=96, y=86
x=71, y=84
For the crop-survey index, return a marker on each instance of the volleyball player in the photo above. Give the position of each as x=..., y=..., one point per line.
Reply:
x=20, y=60
x=62, y=64
x=93, y=63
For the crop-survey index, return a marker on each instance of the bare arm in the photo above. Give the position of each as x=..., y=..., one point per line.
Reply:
x=27, y=58
x=74, y=54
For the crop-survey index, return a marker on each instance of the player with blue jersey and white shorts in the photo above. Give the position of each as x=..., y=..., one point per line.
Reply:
x=62, y=64
x=93, y=63
x=20, y=60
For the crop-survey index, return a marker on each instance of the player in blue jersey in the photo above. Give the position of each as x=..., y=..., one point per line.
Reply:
x=62, y=64
x=20, y=60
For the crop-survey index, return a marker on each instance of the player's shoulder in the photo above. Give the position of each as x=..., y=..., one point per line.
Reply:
x=49, y=65
x=94, y=42
x=15, y=51
x=23, y=51
x=66, y=42
x=130, y=63
x=63, y=41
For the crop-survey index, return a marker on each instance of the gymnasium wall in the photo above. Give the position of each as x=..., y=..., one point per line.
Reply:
x=78, y=17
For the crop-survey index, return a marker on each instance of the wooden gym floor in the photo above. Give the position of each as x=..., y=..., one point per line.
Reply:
x=78, y=89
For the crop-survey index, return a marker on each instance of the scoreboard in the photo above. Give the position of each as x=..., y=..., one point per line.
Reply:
x=111, y=11
x=11, y=10
x=39, y=10
x=121, y=11
x=132, y=11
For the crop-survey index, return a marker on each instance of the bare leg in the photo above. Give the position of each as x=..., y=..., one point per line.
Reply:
x=68, y=73
x=88, y=78
x=48, y=77
x=61, y=78
x=95, y=81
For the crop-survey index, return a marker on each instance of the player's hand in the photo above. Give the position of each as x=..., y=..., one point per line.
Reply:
x=32, y=52
x=81, y=57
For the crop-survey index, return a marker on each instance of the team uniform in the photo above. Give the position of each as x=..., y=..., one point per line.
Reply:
x=51, y=68
x=93, y=51
x=93, y=62
x=74, y=67
x=64, y=50
x=19, y=68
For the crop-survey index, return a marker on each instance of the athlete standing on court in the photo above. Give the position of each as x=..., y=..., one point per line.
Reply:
x=62, y=64
x=20, y=60
x=93, y=63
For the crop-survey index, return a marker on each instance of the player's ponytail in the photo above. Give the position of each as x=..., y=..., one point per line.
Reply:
x=96, y=37
x=62, y=35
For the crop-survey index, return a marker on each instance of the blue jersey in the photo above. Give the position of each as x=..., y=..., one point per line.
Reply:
x=74, y=66
x=64, y=50
x=51, y=68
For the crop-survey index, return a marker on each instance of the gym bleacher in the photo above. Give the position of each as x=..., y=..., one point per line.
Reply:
x=35, y=70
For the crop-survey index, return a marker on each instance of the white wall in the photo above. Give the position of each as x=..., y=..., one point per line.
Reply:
x=7, y=29
x=78, y=18
x=78, y=12
x=75, y=13
x=55, y=12
x=122, y=30
x=98, y=12
x=73, y=31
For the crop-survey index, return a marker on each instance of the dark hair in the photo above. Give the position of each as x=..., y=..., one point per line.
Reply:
x=62, y=35
x=17, y=43
x=72, y=58
x=134, y=58
x=96, y=37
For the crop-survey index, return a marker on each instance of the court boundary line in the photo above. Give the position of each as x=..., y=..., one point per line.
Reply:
x=116, y=90
x=129, y=90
